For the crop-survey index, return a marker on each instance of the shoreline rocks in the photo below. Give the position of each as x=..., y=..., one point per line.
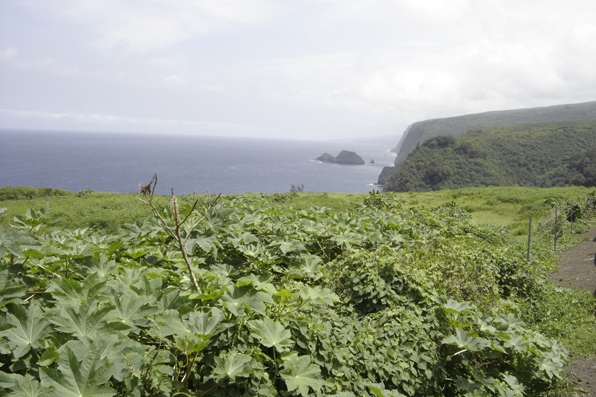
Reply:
x=345, y=157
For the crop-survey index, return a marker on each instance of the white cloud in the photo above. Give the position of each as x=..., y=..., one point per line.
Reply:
x=176, y=79
x=134, y=124
x=8, y=53
x=154, y=24
x=380, y=59
x=435, y=9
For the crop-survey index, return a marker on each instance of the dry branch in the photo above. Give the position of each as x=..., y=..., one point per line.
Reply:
x=176, y=232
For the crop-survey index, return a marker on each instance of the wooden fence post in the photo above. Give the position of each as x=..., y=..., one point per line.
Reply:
x=556, y=216
x=529, y=237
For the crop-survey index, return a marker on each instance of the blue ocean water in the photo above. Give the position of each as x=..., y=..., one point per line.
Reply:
x=113, y=162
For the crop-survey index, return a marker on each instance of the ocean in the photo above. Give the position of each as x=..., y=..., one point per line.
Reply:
x=113, y=162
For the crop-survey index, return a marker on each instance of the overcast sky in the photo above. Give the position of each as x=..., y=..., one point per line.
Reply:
x=287, y=68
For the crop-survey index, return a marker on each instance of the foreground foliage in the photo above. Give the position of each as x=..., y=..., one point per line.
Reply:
x=381, y=300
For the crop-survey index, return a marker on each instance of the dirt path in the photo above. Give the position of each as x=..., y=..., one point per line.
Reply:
x=577, y=270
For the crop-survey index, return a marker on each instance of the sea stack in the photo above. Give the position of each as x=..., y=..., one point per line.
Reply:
x=346, y=157
x=326, y=158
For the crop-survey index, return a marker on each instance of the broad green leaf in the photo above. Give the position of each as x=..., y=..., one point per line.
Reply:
x=300, y=375
x=22, y=386
x=551, y=364
x=240, y=298
x=464, y=340
x=510, y=322
x=200, y=329
x=8, y=292
x=486, y=327
x=347, y=239
x=48, y=357
x=310, y=266
x=7, y=380
x=262, y=282
x=28, y=386
x=516, y=342
x=190, y=344
x=82, y=321
x=169, y=299
x=272, y=334
x=252, y=251
x=104, y=266
x=205, y=324
x=466, y=384
x=453, y=306
x=132, y=309
x=29, y=328
x=74, y=293
x=207, y=244
x=78, y=250
x=77, y=379
x=189, y=246
x=513, y=383
x=379, y=391
x=168, y=323
x=136, y=253
x=288, y=246
x=319, y=295
x=14, y=241
x=123, y=354
x=232, y=365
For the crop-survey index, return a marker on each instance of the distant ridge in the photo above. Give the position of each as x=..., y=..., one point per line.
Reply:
x=423, y=130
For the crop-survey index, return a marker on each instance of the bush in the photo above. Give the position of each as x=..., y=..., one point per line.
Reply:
x=287, y=302
x=27, y=193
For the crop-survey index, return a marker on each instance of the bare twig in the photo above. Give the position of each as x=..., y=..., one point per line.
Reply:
x=191, y=210
x=176, y=232
x=181, y=242
x=149, y=202
x=322, y=249
x=148, y=189
x=211, y=205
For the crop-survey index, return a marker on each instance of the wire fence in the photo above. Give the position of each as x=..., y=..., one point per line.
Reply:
x=565, y=219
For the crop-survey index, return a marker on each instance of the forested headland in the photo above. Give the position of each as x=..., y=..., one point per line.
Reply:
x=539, y=155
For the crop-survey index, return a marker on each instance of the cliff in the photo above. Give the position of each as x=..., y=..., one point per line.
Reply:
x=422, y=131
x=538, y=155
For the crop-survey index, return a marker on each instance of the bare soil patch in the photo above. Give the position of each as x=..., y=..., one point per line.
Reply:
x=577, y=270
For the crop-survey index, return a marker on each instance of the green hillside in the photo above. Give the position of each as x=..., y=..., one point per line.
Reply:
x=541, y=155
x=424, y=130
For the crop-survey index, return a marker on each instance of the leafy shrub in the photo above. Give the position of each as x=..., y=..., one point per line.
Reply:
x=380, y=299
x=27, y=193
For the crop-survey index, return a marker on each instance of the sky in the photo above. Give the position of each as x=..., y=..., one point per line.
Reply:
x=299, y=69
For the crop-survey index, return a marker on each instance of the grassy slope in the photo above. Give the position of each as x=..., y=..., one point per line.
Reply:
x=101, y=210
x=508, y=206
x=502, y=206
x=524, y=155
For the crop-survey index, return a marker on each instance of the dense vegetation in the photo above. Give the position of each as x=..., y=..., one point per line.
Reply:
x=422, y=131
x=376, y=298
x=542, y=155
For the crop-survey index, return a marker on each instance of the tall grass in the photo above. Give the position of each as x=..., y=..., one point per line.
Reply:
x=502, y=206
